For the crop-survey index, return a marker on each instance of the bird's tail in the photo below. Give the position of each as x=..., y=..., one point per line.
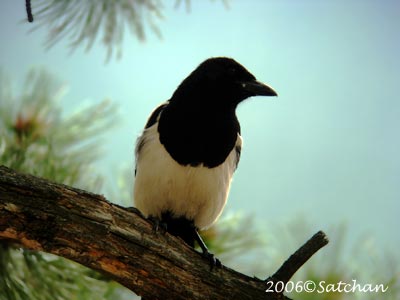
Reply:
x=180, y=226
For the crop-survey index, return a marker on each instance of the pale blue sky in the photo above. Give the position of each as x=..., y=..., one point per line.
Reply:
x=326, y=148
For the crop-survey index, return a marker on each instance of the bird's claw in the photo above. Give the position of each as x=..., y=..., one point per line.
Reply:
x=214, y=262
x=158, y=225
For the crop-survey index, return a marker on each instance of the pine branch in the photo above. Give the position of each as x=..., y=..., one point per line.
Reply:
x=29, y=10
x=91, y=21
x=86, y=228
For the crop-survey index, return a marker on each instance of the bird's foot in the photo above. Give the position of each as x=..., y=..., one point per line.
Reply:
x=158, y=225
x=214, y=262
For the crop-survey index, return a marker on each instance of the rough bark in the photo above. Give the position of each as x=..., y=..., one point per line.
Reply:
x=86, y=228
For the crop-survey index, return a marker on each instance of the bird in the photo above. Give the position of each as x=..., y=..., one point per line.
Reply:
x=190, y=148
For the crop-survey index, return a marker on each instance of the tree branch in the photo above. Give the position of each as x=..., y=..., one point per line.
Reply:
x=297, y=259
x=86, y=228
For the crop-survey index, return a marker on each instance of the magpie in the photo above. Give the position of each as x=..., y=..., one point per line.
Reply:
x=190, y=148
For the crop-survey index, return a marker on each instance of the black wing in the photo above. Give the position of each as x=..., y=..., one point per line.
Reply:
x=238, y=149
x=154, y=115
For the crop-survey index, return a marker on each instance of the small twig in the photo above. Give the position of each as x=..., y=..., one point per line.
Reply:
x=29, y=10
x=297, y=259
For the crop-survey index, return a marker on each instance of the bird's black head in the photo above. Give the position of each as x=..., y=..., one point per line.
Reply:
x=221, y=81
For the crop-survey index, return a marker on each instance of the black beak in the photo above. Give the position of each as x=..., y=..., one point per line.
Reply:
x=256, y=88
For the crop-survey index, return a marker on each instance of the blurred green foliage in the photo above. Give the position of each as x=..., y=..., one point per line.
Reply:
x=36, y=138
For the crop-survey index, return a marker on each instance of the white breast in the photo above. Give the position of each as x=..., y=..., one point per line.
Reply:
x=198, y=193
